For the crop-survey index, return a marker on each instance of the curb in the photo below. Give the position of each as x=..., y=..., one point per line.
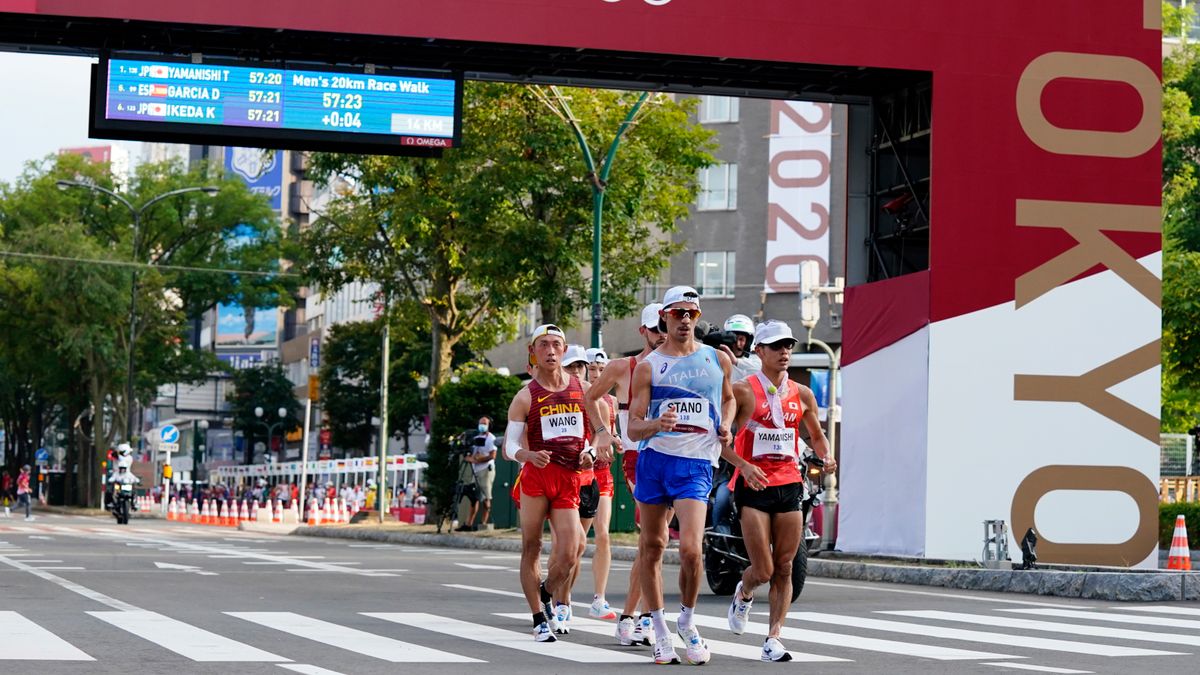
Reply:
x=266, y=528
x=1110, y=586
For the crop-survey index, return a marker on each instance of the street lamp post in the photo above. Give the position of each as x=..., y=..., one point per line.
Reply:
x=199, y=442
x=136, y=212
x=258, y=412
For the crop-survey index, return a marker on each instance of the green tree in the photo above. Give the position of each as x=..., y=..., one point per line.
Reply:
x=266, y=387
x=505, y=219
x=65, y=280
x=1181, y=227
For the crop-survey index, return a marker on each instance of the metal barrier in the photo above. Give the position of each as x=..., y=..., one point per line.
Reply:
x=1179, y=489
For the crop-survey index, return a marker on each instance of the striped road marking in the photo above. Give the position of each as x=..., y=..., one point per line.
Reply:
x=1115, y=618
x=185, y=639
x=1054, y=627
x=24, y=640
x=351, y=639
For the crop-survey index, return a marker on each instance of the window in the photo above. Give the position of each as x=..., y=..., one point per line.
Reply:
x=718, y=188
x=715, y=273
x=716, y=109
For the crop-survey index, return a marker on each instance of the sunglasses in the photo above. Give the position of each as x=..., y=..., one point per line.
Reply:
x=681, y=313
x=781, y=345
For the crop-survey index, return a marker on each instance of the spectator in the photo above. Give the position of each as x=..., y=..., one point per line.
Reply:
x=483, y=463
x=6, y=492
x=24, y=493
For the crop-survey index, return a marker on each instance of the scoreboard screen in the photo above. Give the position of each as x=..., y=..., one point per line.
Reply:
x=380, y=111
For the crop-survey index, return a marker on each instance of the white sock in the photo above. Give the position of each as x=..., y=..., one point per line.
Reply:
x=685, y=617
x=660, y=623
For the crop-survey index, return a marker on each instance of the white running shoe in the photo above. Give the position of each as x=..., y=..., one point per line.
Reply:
x=601, y=610
x=773, y=650
x=625, y=631
x=643, y=630
x=28, y=518
x=739, y=611
x=562, y=618
x=543, y=634
x=664, y=651
x=697, y=648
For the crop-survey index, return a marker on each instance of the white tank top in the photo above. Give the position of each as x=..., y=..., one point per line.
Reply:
x=692, y=386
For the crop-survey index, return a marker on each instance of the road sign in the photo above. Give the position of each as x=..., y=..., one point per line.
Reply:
x=42, y=456
x=314, y=353
x=314, y=388
x=169, y=435
x=168, y=447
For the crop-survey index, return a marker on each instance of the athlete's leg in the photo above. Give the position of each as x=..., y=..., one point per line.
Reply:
x=691, y=514
x=756, y=534
x=652, y=541
x=533, y=514
x=787, y=529
x=602, y=555
x=564, y=528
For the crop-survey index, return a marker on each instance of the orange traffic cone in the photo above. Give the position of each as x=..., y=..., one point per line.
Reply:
x=195, y=511
x=243, y=512
x=207, y=516
x=277, y=512
x=1180, y=558
x=295, y=509
x=223, y=515
x=172, y=511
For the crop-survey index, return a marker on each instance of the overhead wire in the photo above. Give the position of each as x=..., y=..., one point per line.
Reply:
x=142, y=265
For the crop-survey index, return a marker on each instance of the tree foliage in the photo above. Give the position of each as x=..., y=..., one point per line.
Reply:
x=266, y=387
x=66, y=275
x=1181, y=227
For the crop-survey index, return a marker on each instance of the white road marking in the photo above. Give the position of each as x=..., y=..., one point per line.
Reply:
x=1163, y=609
x=351, y=639
x=465, y=630
x=882, y=588
x=986, y=637
x=37, y=536
x=733, y=649
x=41, y=562
x=1114, y=618
x=308, y=669
x=185, y=639
x=475, y=566
x=69, y=585
x=1040, y=669
x=24, y=640
x=56, y=567
x=857, y=642
x=1054, y=627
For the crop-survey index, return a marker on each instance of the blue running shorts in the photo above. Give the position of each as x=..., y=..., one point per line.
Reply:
x=662, y=478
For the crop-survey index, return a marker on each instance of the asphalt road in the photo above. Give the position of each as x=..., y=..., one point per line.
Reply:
x=82, y=595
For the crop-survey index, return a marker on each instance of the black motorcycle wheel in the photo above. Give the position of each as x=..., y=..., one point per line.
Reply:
x=722, y=576
x=799, y=569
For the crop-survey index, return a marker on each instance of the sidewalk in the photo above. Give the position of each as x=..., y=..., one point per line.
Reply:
x=1093, y=584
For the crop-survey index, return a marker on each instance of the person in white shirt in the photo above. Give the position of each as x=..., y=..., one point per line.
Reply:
x=483, y=463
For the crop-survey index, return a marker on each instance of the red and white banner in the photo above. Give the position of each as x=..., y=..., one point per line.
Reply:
x=798, y=192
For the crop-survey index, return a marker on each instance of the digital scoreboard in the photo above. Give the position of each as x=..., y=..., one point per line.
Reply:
x=383, y=111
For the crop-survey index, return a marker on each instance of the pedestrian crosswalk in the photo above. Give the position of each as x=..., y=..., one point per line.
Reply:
x=989, y=636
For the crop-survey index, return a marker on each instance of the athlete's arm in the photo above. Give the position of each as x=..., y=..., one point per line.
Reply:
x=641, y=428
x=604, y=451
x=743, y=395
x=518, y=411
x=608, y=380
x=816, y=435
x=744, y=401
x=728, y=402
x=597, y=414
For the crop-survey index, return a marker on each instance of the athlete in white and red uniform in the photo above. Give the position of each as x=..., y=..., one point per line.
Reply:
x=618, y=375
x=552, y=418
x=767, y=483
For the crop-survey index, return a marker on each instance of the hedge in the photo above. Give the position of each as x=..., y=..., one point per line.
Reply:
x=1166, y=523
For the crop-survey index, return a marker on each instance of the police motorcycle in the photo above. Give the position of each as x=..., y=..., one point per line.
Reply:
x=725, y=556
x=120, y=495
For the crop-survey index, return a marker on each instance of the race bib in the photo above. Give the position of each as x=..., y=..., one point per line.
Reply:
x=562, y=425
x=774, y=442
x=692, y=412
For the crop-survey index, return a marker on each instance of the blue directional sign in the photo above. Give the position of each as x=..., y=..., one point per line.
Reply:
x=170, y=434
x=42, y=456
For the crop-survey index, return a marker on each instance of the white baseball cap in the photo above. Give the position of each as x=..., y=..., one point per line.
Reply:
x=574, y=354
x=740, y=323
x=596, y=355
x=772, y=331
x=547, y=329
x=680, y=294
x=650, y=315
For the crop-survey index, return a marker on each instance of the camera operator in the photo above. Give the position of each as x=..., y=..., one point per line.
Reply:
x=735, y=339
x=482, y=459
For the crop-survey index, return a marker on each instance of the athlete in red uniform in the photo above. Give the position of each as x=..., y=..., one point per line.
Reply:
x=767, y=482
x=550, y=414
x=618, y=376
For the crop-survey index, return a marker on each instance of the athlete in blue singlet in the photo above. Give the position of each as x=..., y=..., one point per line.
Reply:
x=681, y=407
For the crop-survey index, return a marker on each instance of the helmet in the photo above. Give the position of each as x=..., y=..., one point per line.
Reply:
x=740, y=323
x=124, y=450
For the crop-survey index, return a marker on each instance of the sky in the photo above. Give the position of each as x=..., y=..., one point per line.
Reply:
x=46, y=108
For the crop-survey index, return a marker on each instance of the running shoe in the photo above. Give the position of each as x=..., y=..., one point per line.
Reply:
x=562, y=618
x=697, y=648
x=601, y=610
x=643, y=631
x=625, y=631
x=773, y=651
x=543, y=634
x=739, y=611
x=664, y=651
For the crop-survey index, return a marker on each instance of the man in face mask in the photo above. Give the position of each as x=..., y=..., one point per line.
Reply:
x=483, y=462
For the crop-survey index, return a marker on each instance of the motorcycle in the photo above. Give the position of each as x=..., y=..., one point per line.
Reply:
x=725, y=557
x=122, y=502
